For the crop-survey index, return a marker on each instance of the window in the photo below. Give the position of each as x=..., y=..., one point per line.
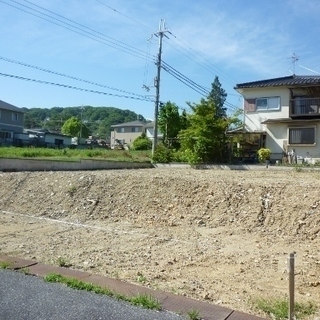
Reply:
x=264, y=104
x=5, y=135
x=14, y=117
x=121, y=130
x=135, y=129
x=302, y=136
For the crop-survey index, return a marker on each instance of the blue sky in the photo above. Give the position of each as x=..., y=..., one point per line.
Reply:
x=237, y=40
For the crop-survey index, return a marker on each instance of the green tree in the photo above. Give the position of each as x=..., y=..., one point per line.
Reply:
x=142, y=143
x=218, y=96
x=205, y=138
x=169, y=121
x=75, y=128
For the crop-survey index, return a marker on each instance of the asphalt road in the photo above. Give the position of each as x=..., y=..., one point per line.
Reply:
x=24, y=297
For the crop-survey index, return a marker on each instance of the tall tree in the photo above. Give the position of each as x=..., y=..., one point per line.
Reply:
x=169, y=121
x=205, y=138
x=75, y=128
x=218, y=96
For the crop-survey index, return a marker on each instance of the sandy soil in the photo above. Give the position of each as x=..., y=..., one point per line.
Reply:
x=219, y=236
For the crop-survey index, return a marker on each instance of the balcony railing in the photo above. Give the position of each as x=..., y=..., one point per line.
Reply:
x=305, y=107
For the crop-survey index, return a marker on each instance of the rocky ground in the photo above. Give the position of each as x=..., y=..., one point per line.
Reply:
x=215, y=235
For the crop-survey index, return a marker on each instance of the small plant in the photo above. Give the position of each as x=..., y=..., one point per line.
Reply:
x=264, y=154
x=144, y=301
x=72, y=190
x=63, y=262
x=298, y=168
x=25, y=270
x=279, y=309
x=4, y=265
x=193, y=315
x=141, y=278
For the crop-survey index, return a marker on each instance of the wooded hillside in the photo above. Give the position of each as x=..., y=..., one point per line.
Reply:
x=97, y=119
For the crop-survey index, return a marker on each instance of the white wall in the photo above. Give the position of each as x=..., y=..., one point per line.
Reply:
x=253, y=119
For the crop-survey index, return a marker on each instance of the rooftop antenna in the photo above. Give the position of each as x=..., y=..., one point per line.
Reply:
x=294, y=58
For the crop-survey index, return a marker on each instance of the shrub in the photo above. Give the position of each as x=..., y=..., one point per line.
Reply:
x=264, y=154
x=162, y=154
x=142, y=143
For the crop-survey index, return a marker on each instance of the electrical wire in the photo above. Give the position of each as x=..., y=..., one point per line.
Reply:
x=74, y=88
x=67, y=76
x=91, y=34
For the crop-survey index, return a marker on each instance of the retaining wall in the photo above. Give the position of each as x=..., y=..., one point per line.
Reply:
x=52, y=165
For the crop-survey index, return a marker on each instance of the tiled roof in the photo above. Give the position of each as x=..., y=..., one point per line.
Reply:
x=293, y=80
x=8, y=106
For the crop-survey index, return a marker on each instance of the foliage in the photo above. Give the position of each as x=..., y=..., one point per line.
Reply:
x=98, y=119
x=142, y=143
x=75, y=154
x=144, y=301
x=264, y=154
x=5, y=265
x=75, y=128
x=218, y=96
x=162, y=154
x=194, y=315
x=279, y=309
x=205, y=136
x=63, y=262
x=169, y=121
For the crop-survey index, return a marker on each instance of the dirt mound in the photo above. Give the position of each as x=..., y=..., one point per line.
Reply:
x=248, y=220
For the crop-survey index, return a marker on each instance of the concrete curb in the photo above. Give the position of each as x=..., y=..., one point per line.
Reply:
x=169, y=301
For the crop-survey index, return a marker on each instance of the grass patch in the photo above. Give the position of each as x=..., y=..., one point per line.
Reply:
x=193, y=315
x=75, y=154
x=144, y=301
x=278, y=309
x=62, y=262
x=5, y=265
x=24, y=270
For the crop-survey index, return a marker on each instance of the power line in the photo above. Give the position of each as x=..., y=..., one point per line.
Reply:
x=67, y=76
x=72, y=87
x=115, y=10
x=226, y=77
x=91, y=34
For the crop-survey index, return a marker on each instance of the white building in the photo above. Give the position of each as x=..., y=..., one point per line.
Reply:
x=285, y=113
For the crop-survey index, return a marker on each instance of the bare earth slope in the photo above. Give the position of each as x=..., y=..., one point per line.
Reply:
x=219, y=236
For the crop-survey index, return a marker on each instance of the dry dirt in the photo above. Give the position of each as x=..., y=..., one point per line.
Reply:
x=219, y=236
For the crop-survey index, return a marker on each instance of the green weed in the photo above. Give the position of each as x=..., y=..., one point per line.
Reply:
x=144, y=301
x=63, y=262
x=278, y=309
x=193, y=315
x=5, y=265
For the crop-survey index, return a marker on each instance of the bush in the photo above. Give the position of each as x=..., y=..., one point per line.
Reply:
x=264, y=154
x=185, y=156
x=162, y=154
x=142, y=143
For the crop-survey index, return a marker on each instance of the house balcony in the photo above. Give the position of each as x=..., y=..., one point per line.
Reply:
x=304, y=108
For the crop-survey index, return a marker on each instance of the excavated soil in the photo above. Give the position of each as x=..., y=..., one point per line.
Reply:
x=214, y=235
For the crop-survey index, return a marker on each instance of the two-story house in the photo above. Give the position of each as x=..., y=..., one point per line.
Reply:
x=126, y=133
x=11, y=122
x=285, y=113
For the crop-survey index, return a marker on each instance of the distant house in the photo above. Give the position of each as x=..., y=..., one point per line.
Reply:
x=45, y=138
x=11, y=123
x=283, y=114
x=126, y=133
x=149, y=129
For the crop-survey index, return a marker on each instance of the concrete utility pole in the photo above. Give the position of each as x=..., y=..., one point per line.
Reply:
x=160, y=35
